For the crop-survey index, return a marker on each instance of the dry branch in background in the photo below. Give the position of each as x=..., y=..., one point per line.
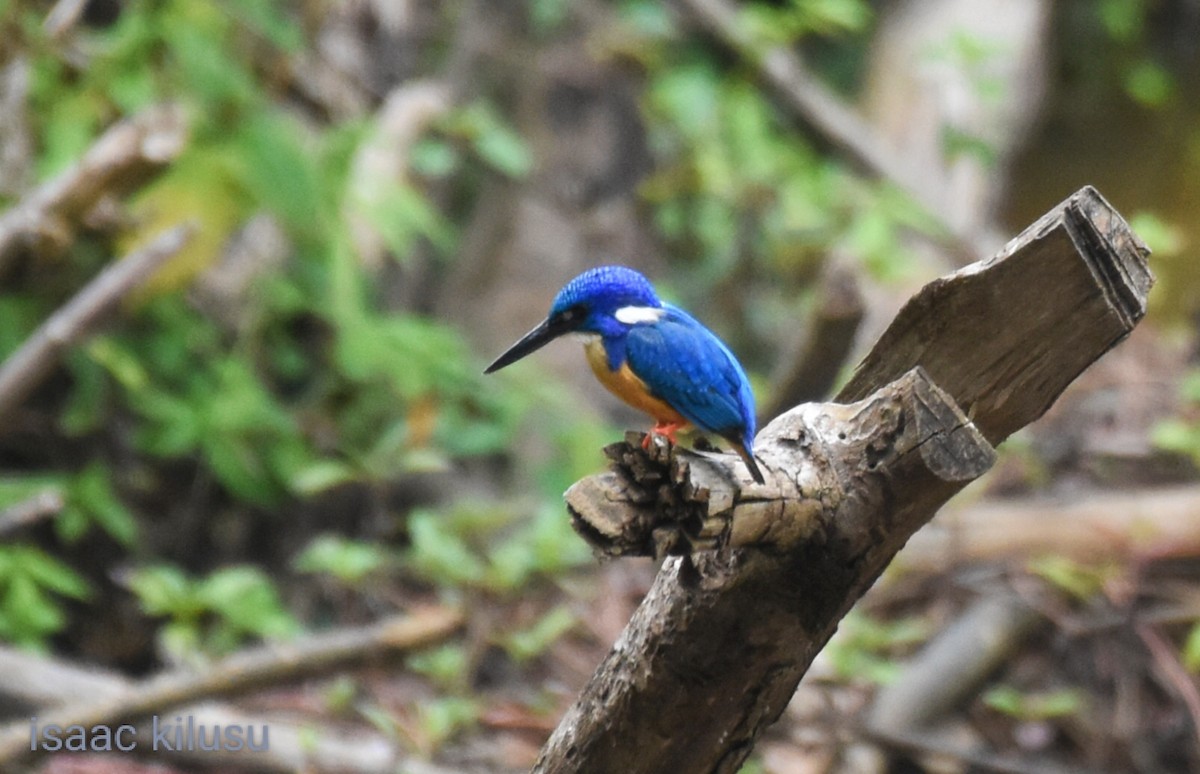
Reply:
x=1144, y=524
x=31, y=510
x=951, y=666
x=716, y=649
x=122, y=159
x=110, y=700
x=41, y=352
x=809, y=372
x=802, y=92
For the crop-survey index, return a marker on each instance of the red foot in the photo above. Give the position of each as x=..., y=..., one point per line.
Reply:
x=667, y=429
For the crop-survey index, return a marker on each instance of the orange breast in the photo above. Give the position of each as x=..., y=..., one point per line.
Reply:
x=625, y=385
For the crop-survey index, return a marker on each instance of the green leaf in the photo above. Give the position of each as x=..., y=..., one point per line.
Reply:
x=29, y=612
x=91, y=492
x=448, y=665
x=1149, y=84
x=529, y=643
x=319, y=476
x=350, y=561
x=1191, y=649
x=433, y=158
x=246, y=598
x=547, y=15
x=1040, y=705
x=439, y=554
x=18, y=489
x=1123, y=18
x=1079, y=580
x=281, y=173
x=1163, y=238
x=48, y=572
x=182, y=641
x=443, y=717
x=495, y=142
x=164, y=590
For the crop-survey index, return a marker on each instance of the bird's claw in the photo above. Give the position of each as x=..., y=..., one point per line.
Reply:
x=665, y=429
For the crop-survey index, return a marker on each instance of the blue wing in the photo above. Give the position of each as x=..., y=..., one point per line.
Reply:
x=687, y=366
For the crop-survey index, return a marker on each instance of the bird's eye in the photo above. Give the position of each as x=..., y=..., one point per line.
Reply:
x=574, y=313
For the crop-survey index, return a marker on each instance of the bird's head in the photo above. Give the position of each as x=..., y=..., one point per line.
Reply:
x=602, y=301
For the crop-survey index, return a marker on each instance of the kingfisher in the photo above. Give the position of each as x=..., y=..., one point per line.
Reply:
x=652, y=355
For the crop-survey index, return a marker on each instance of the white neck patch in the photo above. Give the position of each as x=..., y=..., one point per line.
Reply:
x=632, y=315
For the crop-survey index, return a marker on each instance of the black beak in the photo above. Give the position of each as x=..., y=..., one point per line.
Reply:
x=549, y=330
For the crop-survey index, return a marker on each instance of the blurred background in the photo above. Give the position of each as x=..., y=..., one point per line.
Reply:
x=284, y=429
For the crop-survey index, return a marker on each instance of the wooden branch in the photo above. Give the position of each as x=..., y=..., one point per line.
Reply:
x=1006, y=336
x=1142, y=524
x=42, y=505
x=38, y=356
x=122, y=158
x=63, y=17
x=110, y=701
x=717, y=647
x=952, y=665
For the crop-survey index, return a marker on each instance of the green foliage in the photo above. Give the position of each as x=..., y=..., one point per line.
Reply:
x=1164, y=239
x=443, y=717
x=91, y=501
x=1149, y=83
x=740, y=194
x=788, y=22
x=1080, y=581
x=438, y=720
x=1124, y=19
x=1143, y=77
x=1191, y=649
x=1182, y=434
x=1036, y=705
x=864, y=647
x=491, y=138
x=491, y=548
x=531, y=642
x=267, y=410
x=214, y=615
x=350, y=562
x=31, y=584
x=447, y=666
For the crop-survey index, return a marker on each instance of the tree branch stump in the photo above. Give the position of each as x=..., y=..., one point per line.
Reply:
x=719, y=644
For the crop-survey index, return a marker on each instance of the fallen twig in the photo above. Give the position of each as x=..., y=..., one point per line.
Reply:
x=120, y=160
x=1144, y=524
x=31, y=510
x=62, y=17
x=99, y=700
x=952, y=665
x=1172, y=673
x=37, y=357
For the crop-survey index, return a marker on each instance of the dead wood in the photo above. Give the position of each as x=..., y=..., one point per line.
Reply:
x=810, y=371
x=123, y=158
x=1006, y=336
x=717, y=647
x=1144, y=524
x=41, y=505
x=113, y=700
x=953, y=664
x=40, y=353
